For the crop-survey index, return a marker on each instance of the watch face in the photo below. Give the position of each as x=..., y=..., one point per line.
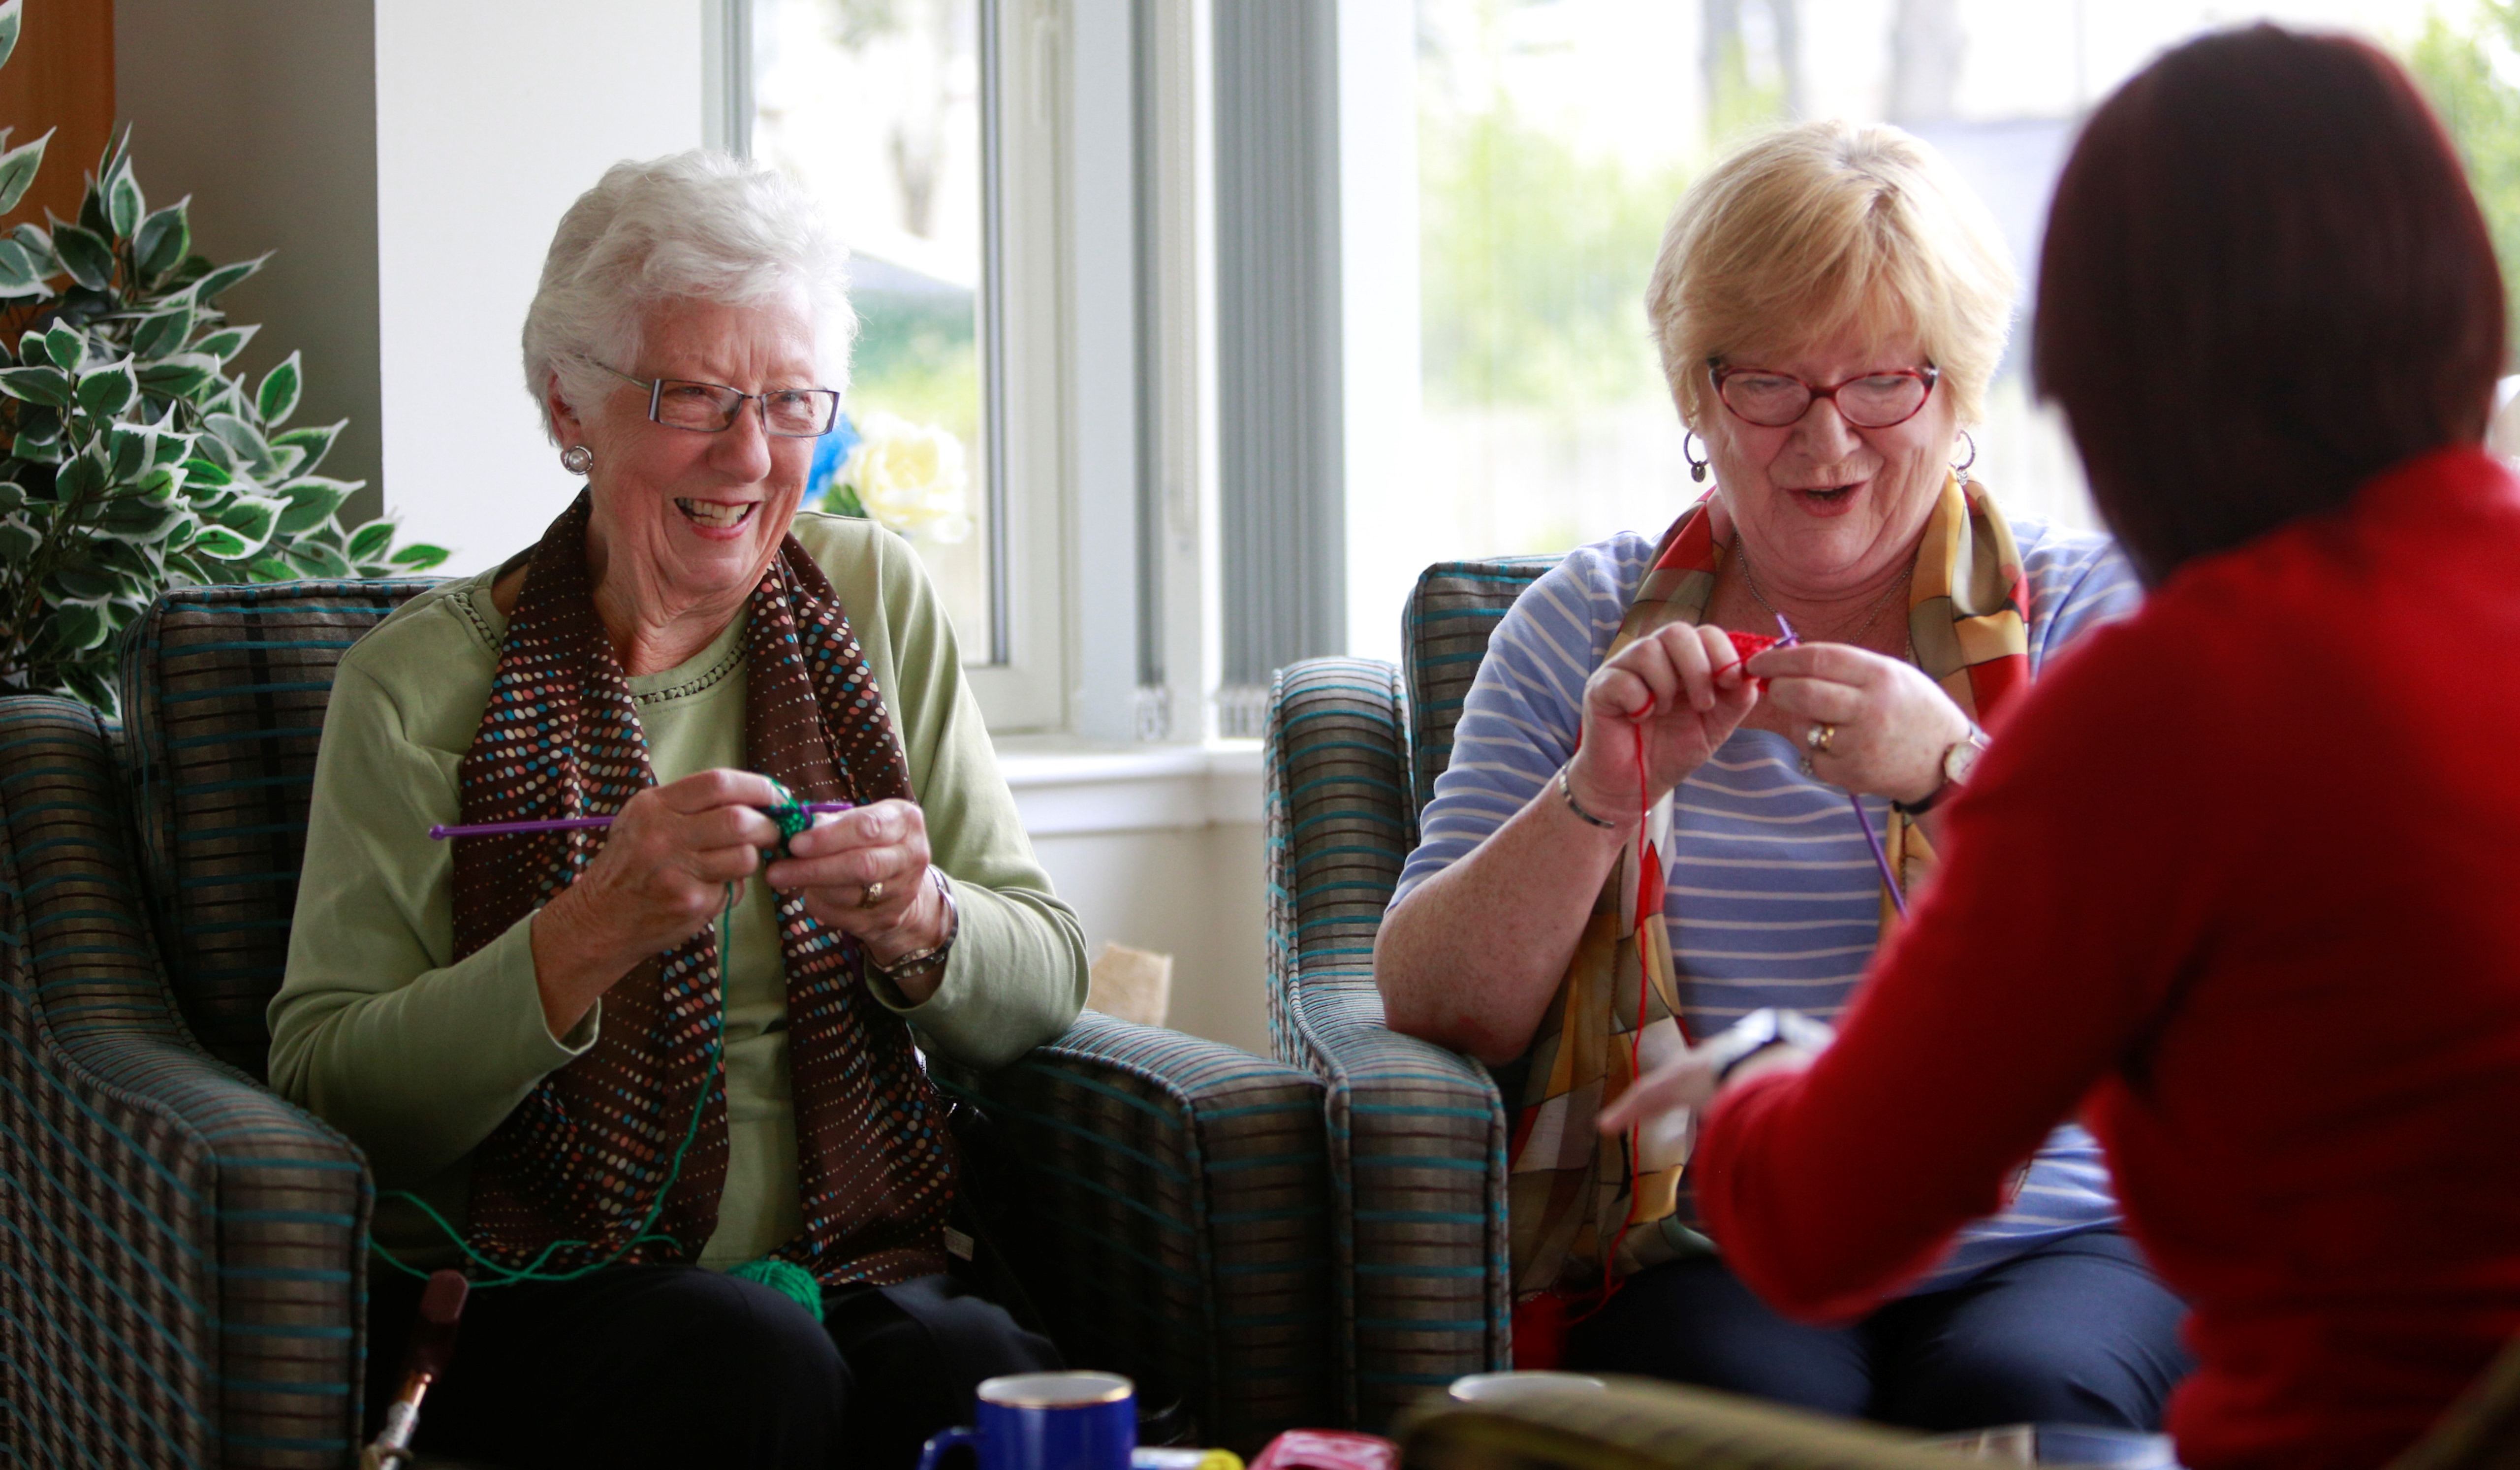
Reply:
x=1960, y=760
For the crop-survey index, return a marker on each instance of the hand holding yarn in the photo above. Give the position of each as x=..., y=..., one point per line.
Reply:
x=1681, y=692
x=675, y=856
x=865, y=873
x=1891, y=722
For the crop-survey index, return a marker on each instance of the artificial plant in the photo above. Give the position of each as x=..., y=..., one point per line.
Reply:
x=135, y=460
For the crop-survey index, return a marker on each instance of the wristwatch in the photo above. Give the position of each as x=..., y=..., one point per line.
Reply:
x=1760, y=1030
x=919, y=963
x=1957, y=761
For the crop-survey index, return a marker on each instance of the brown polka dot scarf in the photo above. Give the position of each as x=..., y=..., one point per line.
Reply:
x=579, y=1162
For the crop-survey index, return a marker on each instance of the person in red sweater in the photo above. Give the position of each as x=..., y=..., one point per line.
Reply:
x=2236, y=880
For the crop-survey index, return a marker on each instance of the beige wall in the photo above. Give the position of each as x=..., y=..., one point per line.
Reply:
x=1197, y=894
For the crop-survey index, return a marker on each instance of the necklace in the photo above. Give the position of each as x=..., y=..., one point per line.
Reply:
x=1873, y=616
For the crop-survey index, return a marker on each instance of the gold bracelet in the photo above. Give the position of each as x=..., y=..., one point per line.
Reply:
x=1566, y=794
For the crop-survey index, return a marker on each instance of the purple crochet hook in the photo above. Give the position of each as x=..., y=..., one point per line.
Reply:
x=573, y=823
x=1872, y=839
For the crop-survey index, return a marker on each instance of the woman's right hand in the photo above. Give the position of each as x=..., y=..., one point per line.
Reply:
x=1681, y=691
x=662, y=876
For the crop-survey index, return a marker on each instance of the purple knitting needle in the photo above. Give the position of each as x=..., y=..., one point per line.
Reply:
x=573, y=823
x=1872, y=839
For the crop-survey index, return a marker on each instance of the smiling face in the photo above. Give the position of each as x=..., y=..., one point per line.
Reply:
x=1826, y=507
x=684, y=522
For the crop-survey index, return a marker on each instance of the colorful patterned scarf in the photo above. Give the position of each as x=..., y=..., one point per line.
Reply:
x=1969, y=611
x=582, y=1158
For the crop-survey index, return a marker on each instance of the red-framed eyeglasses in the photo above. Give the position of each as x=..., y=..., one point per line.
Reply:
x=1773, y=399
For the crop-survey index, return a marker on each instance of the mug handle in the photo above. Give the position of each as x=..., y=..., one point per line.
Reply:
x=943, y=1441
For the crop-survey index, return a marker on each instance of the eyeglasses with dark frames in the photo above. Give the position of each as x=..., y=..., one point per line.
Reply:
x=800, y=413
x=1773, y=399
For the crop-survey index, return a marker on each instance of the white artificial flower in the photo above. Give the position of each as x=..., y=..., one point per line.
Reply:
x=910, y=477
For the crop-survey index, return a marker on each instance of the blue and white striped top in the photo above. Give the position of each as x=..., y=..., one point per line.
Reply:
x=1773, y=897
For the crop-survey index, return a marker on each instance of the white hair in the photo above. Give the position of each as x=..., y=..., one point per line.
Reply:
x=690, y=226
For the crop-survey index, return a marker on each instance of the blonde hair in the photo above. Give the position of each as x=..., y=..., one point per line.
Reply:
x=1811, y=229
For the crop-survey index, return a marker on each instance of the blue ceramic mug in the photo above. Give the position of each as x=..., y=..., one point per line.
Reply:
x=1049, y=1421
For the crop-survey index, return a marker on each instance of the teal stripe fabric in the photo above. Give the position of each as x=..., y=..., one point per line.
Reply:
x=1184, y=1189
x=184, y=1252
x=224, y=690
x=1416, y=1134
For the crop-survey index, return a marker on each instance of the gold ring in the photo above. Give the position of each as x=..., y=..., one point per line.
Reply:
x=1819, y=737
x=873, y=895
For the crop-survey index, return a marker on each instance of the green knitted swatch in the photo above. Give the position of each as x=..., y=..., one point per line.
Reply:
x=787, y=1278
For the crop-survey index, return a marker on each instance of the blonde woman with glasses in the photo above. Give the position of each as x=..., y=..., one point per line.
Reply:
x=1637, y=846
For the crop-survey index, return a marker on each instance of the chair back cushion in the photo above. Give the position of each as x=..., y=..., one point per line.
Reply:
x=223, y=697
x=1451, y=611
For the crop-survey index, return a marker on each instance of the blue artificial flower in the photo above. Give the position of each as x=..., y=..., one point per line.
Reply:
x=822, y=487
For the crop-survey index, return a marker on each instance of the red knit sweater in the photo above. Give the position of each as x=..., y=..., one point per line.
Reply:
x=2237, y=880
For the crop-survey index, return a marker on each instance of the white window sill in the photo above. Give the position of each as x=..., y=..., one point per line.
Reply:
x=1062, y=789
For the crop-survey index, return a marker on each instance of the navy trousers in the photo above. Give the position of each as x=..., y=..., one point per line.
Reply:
x=2076, y=1332
x=674, y=1365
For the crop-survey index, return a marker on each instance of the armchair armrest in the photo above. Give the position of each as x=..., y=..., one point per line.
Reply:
x=1417, y=1134
x=183, y=1253
x=1178, y=1196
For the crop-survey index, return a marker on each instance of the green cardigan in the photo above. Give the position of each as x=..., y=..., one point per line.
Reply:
x=379, y=1031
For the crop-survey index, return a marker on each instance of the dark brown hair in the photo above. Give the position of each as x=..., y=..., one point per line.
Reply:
x=2264, y=281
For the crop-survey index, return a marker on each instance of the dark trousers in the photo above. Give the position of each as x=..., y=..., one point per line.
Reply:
x=674, y=1365
x=2076, y=1332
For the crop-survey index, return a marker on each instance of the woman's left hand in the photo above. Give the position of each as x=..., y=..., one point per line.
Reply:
x=1690, y=1080
x=865, y=873
x=1888, y=725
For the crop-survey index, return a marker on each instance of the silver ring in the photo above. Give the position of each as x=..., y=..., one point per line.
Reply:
x=1819, y=736
x=873, y=895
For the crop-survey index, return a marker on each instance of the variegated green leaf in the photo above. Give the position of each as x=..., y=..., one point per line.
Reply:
x=106, y=390
x=138, y=522
x=123, y=204
x=269, y=568
x=369, y=542
x=178, y=377
x=276, y=398
x=17, y=274
x=18, y=169
x=311, y=502
x=225, y=276
x=225, y=343
x=18, y=541
x=221, y=543
x=66, y=345
x=12, y=497
x=79, y=582
x=159, y=333
x=315, y=559
x=85, y=256
x=78, y=625
x=316, y=441
x=252, y=517
x=9, y=23
x=80, y=477
x=37, y=385
x=252, y=450
x=420, y=556
x=163, y=239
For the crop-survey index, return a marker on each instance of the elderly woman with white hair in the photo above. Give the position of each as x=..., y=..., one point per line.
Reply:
x=657, y=1086
x=1642, y=839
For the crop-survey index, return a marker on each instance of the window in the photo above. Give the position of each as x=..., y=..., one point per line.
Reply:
x=893, y=112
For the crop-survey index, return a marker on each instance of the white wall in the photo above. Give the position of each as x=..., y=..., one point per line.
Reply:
x=1378, y=301
x=491, y=116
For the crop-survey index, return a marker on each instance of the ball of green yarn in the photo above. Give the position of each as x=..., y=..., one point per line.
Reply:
x=787, y=1278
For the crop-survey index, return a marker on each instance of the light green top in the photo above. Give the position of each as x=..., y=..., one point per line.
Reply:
x=379, y=1031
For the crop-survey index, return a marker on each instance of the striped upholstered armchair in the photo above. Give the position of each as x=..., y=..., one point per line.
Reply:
x=1417, y=1134
x=183, y=1273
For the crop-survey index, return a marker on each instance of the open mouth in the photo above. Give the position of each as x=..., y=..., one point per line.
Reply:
x=1827, y=496
x=715, y=515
